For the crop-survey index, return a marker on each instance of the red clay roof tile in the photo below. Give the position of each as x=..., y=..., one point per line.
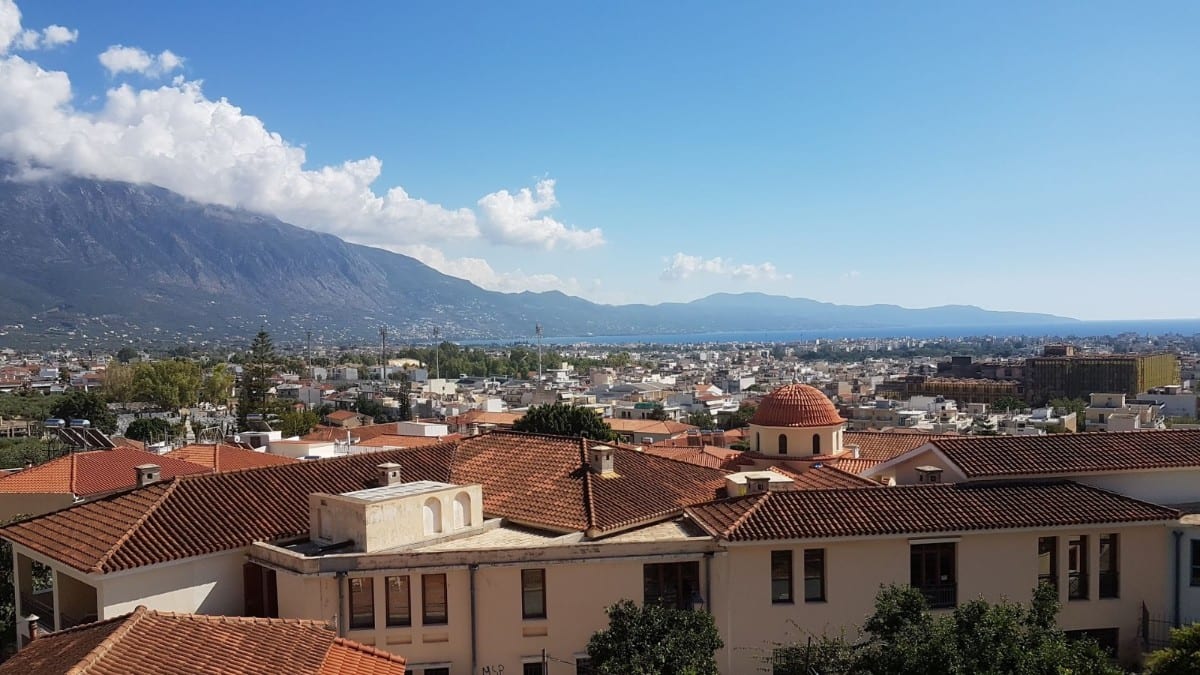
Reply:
x=796, y=405
x=94, y=472
x=225, y=457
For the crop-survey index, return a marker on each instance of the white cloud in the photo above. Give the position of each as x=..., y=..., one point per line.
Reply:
x=851, y=275
x=518, y=219
x=480, y=273
x=682, y=266
x=119, y=59
x=13, y=36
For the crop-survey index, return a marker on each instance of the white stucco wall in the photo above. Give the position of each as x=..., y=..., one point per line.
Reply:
x=205, y=585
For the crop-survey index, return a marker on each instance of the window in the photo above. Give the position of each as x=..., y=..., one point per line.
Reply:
x=814, y=575
x=1077, y=570
x=783, y=444
x=433, y=515
x=1048, y=561
x=1110, y=578
x=537, y=668
x=932, y=573
x=671, y=584
x=433, y=599
x=399, y=609
x=437, y=671
x=1196, y=562
x=533, y=594
x=781, y=576
x=583, y=665
x=816, y=444
x=362, y=602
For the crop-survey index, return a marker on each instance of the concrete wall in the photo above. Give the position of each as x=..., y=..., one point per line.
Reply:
x=13, y=504
x=799, y=440
x=206, y=585
x=1176, y=486
x=905, y=472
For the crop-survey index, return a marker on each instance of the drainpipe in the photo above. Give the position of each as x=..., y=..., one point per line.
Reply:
x=471, y=573
x=1178, y=551
x=708, y=599
x=341, y=615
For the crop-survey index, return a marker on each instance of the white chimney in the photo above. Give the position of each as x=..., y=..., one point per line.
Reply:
x=757, y=484
x=600, y=459
x=855, y=451
x=929, y=474
x=147, y=474
x=389, y=474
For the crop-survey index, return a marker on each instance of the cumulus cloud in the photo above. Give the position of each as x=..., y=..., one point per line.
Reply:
x=12, y=35
x=480, y=273
x=119, y=59
x=519, y=219
x=682, y=266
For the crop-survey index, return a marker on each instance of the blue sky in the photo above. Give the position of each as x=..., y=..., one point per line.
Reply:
x=1025, y=156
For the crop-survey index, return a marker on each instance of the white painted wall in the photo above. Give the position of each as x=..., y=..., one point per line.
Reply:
x=1176, y=486
x=205, y=585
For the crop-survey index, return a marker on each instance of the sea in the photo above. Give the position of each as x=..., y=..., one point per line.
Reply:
x=1064, y=331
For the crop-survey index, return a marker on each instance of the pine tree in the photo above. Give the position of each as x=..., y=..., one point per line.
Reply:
x=256, y=378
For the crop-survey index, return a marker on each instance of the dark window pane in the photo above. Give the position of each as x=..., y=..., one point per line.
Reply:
x=1077, y=568
x=533, y=594
x=671, y=584
x=437, y=671
x=781, y=576
x=1048, y=560
x=1110, y=579
x=583, y=666
x=399, y=609
x=362, y=602
x=814, y=575
x=533, y=669
x=1196, y=562
x=932, y=571
x=433, y=599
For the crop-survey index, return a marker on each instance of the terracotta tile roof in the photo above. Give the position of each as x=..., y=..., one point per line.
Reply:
x=667, y=427
x=823, y=476
x=502, y=419
x=536, y=480
x=984, y=456
x=854, y=466
x=128, y=443
x=920, y=509
x=225, y=457
x=401, y=441
x=341, y=415
x=94, y=472
x=707, y=455
x=360, y=433
x=146, y=641
x=884, y=445
x=796, y=405
x=543, y=481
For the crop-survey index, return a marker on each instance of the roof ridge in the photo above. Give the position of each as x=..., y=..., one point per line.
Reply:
x=369, y=649
x=745, y=516
x=104, y=646
x=74, y=474
x=589, y=506
x=100, y=562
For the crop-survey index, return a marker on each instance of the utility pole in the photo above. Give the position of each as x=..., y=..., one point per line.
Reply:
x=437, y=354
x=538, y=329
x=383, y=355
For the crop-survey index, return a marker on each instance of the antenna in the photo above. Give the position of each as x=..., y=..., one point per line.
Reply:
x=537, y=328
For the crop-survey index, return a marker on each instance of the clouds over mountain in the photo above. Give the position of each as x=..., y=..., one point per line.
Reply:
x=212, y=151
x=683, y=266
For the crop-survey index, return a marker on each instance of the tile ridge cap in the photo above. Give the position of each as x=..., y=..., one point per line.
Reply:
x=103, y=647
x=740, y=520
x=98, y=567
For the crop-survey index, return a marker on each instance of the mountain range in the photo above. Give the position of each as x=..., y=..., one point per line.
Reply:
x=111, y=258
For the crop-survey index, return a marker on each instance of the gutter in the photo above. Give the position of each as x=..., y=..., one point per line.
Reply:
x=1178, y=552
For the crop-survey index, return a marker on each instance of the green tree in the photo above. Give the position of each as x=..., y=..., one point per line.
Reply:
x=1182, y=657
x=903, y=636
x=658, y=413
x=149, y=429
x=118, y=383
x=298, y=422
x=126, y=354
x=217, y=386
x=1070, y=405
x=86, y=406
x=365, y=405
x=560, y=419
x=170, y=385
x=259, y=366
x=655, y=640
x=984, y=426
x=739, y=419
x=702, y=419
x=1007, y=404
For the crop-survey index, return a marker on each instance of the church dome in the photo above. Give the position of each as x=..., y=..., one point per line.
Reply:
x=796, y=405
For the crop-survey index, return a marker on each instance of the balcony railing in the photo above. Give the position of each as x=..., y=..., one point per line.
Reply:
x=940, y=596
x=1077, y=586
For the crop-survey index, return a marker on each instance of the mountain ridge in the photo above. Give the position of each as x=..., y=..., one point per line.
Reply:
x=105, y=254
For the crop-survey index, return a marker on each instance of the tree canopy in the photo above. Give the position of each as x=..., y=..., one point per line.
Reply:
x=83, y=405
x=149, y=429
x=738, y=419
x=655, y=640
x=560, y=419
x=169, y=385
x=902, y=636
x=702, y=419
x=1182, y=657
x=260, y=363
x=1008, y=403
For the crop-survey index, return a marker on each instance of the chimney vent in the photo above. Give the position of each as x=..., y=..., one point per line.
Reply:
x=148, y=474
x=600, y=459
x=389, y=474
x=757, y=484
x=855, y=451
x=929, y=474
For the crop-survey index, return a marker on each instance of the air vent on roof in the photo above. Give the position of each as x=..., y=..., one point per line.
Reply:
x=757, y=484
x=600, y=459
x=929, y=474
x=147, y=474
x=389, y=474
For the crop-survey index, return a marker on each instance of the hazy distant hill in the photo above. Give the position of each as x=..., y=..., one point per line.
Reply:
x=105, y=256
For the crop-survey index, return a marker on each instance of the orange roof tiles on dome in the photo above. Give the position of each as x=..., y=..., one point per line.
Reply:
x=796, y=405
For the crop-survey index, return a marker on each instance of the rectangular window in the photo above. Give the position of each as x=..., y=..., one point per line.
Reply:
x=1110, y=577
x=533, y=594
x=932, y=571
x=671, y=584
x=399, y=607
x=1077, y=568
x=781, y=576
x=538, y=668
x=814, y=575
x=1048, y=561
x=433, y=599
x=437, y=671
x=1196, y=562
x=583, y=666
x=362, y=602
